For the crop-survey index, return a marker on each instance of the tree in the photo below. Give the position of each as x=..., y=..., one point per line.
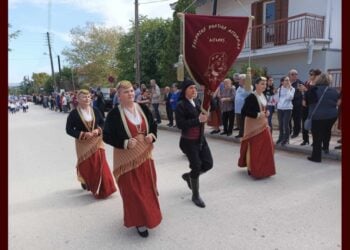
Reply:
x=171, y=50
x=93, y=52
x=153, y=33
x=40, y=81
x=12, y=35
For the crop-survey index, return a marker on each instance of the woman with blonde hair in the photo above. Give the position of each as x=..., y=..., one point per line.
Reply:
x=131, y=130
x=85, y=124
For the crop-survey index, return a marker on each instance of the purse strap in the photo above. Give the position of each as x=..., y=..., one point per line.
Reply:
x=318, y=103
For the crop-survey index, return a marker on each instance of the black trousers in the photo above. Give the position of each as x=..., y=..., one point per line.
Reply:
x=169, y=114
x=296, y=117
x=321, y=135
x=304, y=114
x=227, y=120
x=240, y=122
x=199, y=156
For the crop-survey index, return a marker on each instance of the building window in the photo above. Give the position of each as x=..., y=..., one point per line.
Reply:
x=269, y=17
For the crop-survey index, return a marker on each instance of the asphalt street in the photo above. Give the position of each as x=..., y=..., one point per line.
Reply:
x=298, y=208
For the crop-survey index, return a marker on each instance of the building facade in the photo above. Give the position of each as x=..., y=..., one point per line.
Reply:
x=286, y=34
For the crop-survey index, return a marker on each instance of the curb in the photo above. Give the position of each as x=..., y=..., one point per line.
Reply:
x=333, y=155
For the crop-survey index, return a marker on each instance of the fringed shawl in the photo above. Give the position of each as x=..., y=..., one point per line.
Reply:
x=125, y=160
x=85, y=148
x=254, y=126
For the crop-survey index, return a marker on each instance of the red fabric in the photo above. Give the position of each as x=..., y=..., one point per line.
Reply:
x=95, y=168
x=215, y=118
x=211, y=45
x=262, y=163
x=139, y=192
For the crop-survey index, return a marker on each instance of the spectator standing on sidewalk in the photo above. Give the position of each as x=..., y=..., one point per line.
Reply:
x=323, y=117
x=297, y=103
x=284, y=97
x=155, y=95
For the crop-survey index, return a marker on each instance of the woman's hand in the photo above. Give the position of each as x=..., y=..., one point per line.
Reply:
x=149, y=139
x=88, y=135
x=132, y=143
x=95, y=132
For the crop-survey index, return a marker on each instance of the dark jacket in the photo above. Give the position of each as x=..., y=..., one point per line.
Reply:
x=75, y=125
x=328, y=106
x=186, y=115
x=251, y=107
x=298, y=97
x=114, y=132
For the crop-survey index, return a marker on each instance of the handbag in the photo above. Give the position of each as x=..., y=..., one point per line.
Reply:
x=308, y=124
x=308, y=121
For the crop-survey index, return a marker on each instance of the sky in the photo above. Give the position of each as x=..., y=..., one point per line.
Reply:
x=34, y=18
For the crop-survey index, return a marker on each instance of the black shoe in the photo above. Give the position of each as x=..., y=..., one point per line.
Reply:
x=223, y=133
x=197, y=200
x=284, y=143
x=304, y=143
x=311, y=159
x=143, y=234
x=249, y=173
x=84, y=186
x=170, y=125
x=238, y=136
x=326, y=151
x=186, y=177
x=339, y=141
x=337, y=147
x=229, y=134
x=293, y=136
x=215, y=132
x=278, y=141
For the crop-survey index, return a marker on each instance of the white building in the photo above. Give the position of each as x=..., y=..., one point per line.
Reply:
x=286, y=34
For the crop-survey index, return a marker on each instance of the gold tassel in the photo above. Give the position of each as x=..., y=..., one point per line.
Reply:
x=180, y=69
x=248, y=80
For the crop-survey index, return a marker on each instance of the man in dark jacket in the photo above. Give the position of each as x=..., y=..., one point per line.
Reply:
x=190, y=120
x=297, y=103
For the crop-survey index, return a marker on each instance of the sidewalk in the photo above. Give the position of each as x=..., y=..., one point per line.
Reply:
x=293, y=146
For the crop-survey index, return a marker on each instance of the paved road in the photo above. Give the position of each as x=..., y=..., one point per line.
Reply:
x=299, y=208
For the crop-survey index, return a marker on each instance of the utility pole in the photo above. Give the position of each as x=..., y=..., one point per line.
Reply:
x=59, y=70
x=52, y=70
x=215, y=4
x=137, y=44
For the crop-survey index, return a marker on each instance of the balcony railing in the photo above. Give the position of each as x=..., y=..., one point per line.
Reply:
x=295, y=29
x=336, y=78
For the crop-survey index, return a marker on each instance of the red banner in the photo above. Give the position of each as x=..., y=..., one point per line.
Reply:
x=211, y=45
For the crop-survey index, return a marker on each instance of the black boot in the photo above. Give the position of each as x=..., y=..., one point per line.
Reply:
x=186, y=177
x=195, y=193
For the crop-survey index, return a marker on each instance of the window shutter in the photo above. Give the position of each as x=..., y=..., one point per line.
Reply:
x=281, y=28
x=257, y=12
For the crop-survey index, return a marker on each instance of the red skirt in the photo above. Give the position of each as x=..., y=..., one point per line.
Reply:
x=140, y=196
x=256, y=153
x=96, y=175
x=215, y=118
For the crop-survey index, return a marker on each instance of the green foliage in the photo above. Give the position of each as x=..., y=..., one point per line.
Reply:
x=93, y=52
x=256, y=70
x=171, y=50
x=12, y=35
x=153, y=33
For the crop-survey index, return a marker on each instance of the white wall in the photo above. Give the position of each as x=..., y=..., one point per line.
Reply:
x=336, y=24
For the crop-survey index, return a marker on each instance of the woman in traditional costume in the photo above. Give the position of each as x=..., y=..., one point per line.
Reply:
x=257, y=148
x=131, y=130
x=85, y=124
